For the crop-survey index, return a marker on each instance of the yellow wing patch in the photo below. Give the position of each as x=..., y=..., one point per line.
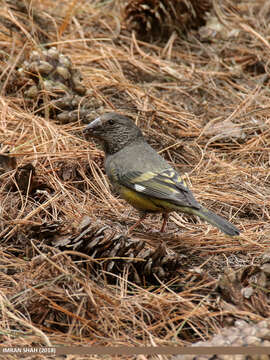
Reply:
x=144, y=177
x=174, y=177
x=169, y=176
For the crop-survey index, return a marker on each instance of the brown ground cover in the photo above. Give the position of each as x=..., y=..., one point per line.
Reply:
x=70, y=273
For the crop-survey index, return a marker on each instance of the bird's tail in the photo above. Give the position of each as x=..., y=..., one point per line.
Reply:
x=217, y=221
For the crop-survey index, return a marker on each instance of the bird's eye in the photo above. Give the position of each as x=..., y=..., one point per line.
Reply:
x=111, y=122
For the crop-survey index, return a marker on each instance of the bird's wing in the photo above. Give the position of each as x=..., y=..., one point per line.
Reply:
x=166, y=185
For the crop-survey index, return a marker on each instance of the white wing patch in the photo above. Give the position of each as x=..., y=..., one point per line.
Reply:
x=139, y=188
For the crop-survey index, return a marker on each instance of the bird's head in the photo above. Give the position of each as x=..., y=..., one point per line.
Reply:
x=114, y=131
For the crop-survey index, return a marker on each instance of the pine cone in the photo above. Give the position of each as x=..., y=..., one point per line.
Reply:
x=247, y=287
x=119, y=253
x=157, y=19
x=50, y=74
x=242, y=334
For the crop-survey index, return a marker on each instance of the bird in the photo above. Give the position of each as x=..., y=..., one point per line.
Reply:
x=144, y=178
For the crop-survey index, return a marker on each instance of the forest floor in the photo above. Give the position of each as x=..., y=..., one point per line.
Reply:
x=70, y=272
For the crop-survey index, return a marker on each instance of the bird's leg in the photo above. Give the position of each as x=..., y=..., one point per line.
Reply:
x=142, y=217
x=165, y=217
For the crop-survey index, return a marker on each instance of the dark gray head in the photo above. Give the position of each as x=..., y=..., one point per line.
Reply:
x=114, y=131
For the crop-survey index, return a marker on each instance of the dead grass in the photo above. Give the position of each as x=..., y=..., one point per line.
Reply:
x=205, y=106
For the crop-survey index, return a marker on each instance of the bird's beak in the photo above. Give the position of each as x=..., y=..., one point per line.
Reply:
x=90, y=128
